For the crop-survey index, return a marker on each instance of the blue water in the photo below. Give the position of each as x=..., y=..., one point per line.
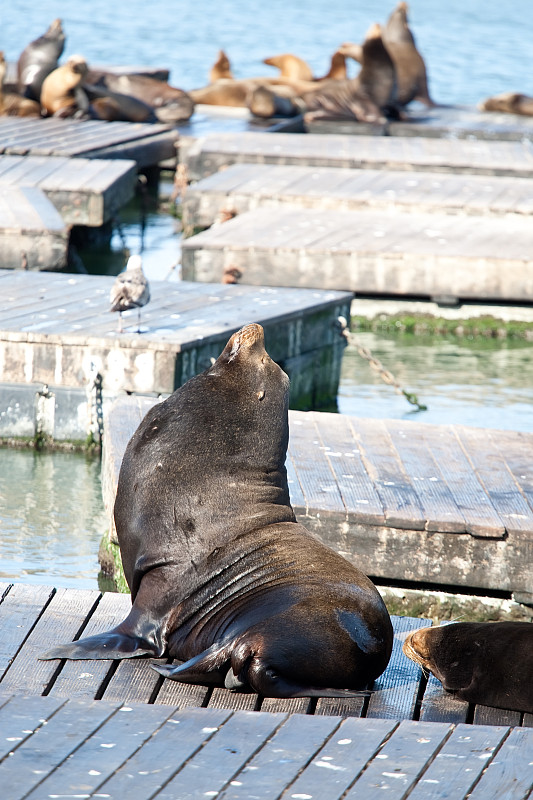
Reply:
x=472, y=49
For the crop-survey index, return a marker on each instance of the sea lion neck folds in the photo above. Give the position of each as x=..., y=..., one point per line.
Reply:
x=221, y=574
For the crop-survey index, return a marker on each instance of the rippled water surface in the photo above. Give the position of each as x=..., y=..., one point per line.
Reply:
x=51, y=518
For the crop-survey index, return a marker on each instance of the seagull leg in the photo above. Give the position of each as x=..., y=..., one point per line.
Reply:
x=139, y=319
x=120, y=322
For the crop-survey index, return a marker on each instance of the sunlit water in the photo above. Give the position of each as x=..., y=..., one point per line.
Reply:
x=51, y=518
x=51, y=513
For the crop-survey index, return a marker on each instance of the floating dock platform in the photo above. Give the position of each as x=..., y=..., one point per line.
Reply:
x=56, y=330
x=433, y=504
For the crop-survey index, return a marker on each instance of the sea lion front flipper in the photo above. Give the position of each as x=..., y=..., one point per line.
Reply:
x=140, y=634
x=112, y=644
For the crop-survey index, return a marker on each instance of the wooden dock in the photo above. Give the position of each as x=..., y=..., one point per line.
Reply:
x=56, y=329
x=33, y=618
x=114, y=729
x=432, y=504
x=145, y=143
x=478, y=157
x=246, y=187
x=431, y=255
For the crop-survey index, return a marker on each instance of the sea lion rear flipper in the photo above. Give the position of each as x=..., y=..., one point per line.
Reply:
x=208, y=668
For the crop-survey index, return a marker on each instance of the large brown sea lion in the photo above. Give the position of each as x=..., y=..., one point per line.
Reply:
x=510, y=103
x=61, y=93
x=482, y=662
x=221, y=574
x=291, y=66
x=410, y=67
x=169, y=104
x=13, y=104
x=38, y=59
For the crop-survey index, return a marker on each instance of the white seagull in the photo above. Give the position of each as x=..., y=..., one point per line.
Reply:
x=130, y=290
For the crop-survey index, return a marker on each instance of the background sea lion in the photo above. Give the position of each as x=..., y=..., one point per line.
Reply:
x=221, y=574
x=291, y=66
x=13, y=104
x=221, y=68
x=168, y=103
x=59, y=93
x=410, y=68
x=337, y=68
x=482, y=662
x=38, y=59
x=510, y=103
x=366, y=98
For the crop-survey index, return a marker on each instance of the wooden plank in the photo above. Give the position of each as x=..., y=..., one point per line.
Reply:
x=282, y=757
x=437, y=502
x=400, y=502
x=357, y=490
x=401, y=761
x=441, y=706
x=498, y=482
x=486, y=715
x=312, y=468
x=394, y=693
x=50, y=745
x=61, y=620
x=288, y=705
x=340, y=706
x=20, y=717
x=164, y=754
x=224, y=698
x=223, y=756
x=479, y=513
x=83, y=679
x=341, y=760
x=509, y=775
x=182, y=695
x=514, y=447
x=134, y=681
x=19, y=611
x=459, y=763
x=104, y=752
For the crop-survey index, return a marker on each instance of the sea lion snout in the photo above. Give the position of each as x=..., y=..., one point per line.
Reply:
x=416, y=646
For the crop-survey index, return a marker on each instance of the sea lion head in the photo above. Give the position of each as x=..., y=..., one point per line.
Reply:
x=448, y=651
x=78, y=65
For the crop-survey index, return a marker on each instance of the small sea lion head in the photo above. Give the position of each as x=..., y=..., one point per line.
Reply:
x=448, y=651
x=78, y=65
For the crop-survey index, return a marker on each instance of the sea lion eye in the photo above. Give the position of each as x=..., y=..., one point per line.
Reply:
x=260, y=394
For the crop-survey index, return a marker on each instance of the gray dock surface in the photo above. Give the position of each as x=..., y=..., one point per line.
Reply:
x=145, y=143
x=371, y=252
x=56, y=329
x=245, y=187
x=483, y=157
x=437, y=504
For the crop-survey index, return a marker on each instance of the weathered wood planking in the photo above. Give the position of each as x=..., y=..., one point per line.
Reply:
x=52, y=327
x=84, y=191
x=244, y=187
x=147, y=144
x=112, y=750
x=32, y=233
x=370, y=252
x=63, y=614
x=442, y=504
x=207, y=155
